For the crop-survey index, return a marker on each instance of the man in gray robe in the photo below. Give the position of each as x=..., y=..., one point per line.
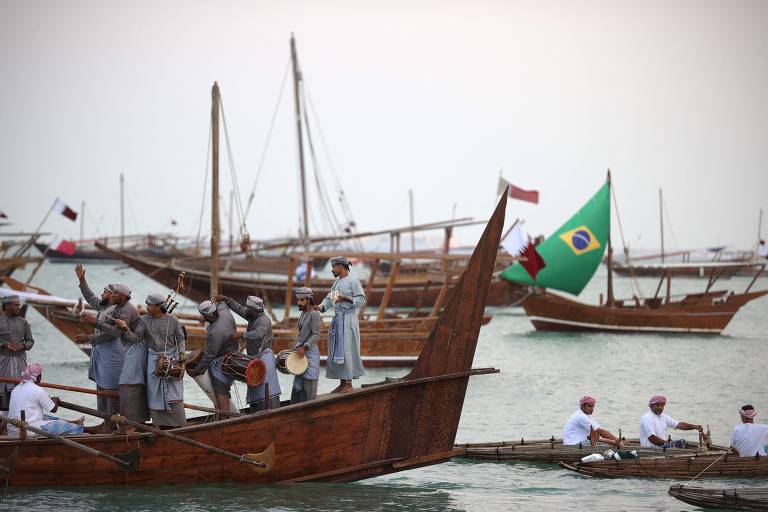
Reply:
x=346, y=297
x=258, y=342
x=15, y=341
x=221, y=325
x=107, y=352
x=163, y=336
x=305, y=385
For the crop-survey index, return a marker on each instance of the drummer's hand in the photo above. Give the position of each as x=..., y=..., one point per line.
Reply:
x=236, y=336
x=320, y=308
x=121, y=324
x=182, y=356
x=80, y=272
x=192, y=372
x=82, y=338
x=300, y=351
x=221, y=298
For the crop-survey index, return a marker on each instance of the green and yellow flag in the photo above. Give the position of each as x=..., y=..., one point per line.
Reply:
x=574, y=251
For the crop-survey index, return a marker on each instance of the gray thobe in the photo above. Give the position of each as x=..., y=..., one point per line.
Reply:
x=258, y=342
x=163, y=337
x=107, y=353
x=13, y=329
x=218, y=343
x=345, y=313
x=133, y=377
x=305, y=385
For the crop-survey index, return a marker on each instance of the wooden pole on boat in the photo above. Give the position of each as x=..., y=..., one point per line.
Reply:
x=247, y=458
x=68, y=442
x=661, y=224
x=289, y=290
x=122, y=213
x=369, y=286
x=87, y=391
x=297, y=104
x=215, y=97
x=609, y=295
x=388, y=292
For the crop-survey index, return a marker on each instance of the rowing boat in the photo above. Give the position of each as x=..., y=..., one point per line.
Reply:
x=731, y=498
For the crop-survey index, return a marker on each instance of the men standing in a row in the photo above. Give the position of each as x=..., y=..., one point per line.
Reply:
x=107, y=351
x=15, y=341
x=305, y=385
x=258, y=343
x=162, y=336
x=221, y=325
x=345, y=297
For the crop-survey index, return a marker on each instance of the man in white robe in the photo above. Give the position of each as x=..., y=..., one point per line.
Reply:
x=654, y=425
x=749, y=438
x=582, y=428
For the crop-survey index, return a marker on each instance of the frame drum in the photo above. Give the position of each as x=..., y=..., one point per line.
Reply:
x=289, y=362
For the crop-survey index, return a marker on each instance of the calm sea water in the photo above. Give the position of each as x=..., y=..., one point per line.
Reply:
x=706, y=379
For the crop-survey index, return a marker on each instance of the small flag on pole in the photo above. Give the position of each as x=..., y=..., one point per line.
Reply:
x=3, y=215
x=66, y=247
x=173, y=222
x=65, y=210
x=518, y=243
x=531, y=196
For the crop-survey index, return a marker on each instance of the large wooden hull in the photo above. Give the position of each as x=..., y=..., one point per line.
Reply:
x=705, y=313
x=701, y=465
x=733, y=498
x=691, y=270
x=413, y=293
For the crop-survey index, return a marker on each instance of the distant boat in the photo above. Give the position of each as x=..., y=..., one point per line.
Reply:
x=572, y=255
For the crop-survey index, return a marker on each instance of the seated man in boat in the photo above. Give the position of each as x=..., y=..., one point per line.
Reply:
x=581, y=427
x=258, y=343
x=654, y=425
x=163, y=338
x=305, y=385
x=221, y=325
x=749, y=439
x=36, y=404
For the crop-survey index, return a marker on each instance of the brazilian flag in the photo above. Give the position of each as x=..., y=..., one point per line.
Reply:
x=573, y=253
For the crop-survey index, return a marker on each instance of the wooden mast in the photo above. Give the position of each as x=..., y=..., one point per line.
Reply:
x=661, y=224
x=297, y=103
x=215, y=235
x=609, y=298
x=122, y=215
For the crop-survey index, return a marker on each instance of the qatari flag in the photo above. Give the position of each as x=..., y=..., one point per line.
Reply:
x=532, y=196
x=65, y=210
x=66, y=247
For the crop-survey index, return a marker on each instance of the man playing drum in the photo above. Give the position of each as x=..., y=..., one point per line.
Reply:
x=164, y=337
x=221, y=325
x=345, y=297
x=305, y=385
x=258, y=343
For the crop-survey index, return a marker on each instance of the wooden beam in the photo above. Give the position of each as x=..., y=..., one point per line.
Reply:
x=369, y=286
x=388, y=292
x=289, y=290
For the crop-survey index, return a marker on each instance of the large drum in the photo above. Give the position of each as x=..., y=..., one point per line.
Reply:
x=244, y=368
x=173, y=369
x=289, y=362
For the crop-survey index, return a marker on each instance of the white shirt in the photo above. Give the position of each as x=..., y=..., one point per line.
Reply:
x=34, y=401
x=750, y=438
x=577, y=428
x=651, y=424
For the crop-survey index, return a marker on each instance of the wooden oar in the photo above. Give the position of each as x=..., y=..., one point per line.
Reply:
x=72, y=444
x=262, y=462
x=115, y=394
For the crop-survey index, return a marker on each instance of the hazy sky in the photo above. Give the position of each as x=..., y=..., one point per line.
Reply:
x=433, y=96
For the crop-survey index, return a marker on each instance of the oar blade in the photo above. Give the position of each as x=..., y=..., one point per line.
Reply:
x=267, y=458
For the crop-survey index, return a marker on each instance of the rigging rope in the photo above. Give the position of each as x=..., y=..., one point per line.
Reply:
x=269, y=137
x=627, y=262
x=233, y=174
x=205, y=188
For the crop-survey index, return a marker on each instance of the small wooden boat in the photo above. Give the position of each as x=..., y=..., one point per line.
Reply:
x=706, y=465
x=382, y=428
x=553, y=451
x=731, y=498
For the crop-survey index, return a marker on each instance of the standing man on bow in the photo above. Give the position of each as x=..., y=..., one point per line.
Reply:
x=346, y=297
x=107, y=351
x=164, y=338
x=221, y=325
x=15, y=341
x=258, y=343
x=305, y=385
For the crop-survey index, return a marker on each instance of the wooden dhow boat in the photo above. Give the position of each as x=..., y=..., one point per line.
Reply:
x=382, y=428
x=553, y=451
x=572, y=255
x=700, y=465
x=731, y=498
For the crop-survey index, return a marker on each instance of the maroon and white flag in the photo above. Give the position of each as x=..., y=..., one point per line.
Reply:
x=532, y=196
x=66, y=247
x=519, y=244
x=65, y=210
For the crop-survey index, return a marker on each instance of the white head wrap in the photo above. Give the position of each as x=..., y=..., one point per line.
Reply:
x=254, y=302
x=206, y=308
